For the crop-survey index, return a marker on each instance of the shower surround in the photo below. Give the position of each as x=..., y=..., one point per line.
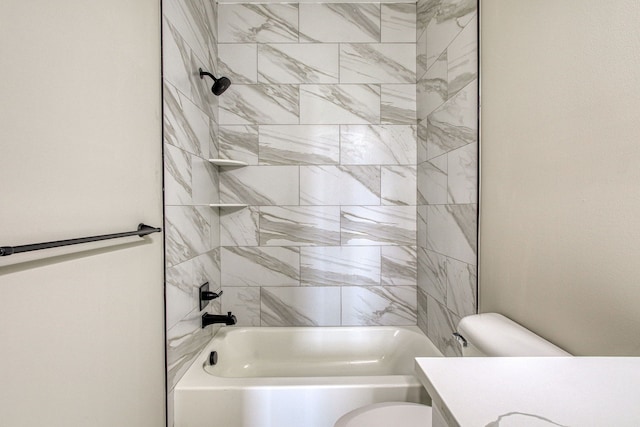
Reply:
x=359, y=125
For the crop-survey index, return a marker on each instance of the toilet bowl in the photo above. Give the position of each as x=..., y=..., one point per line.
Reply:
x=488, y=334
x=387, y=414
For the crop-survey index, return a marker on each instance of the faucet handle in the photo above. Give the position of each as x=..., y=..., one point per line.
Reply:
x=231, y=319
x=205, y=295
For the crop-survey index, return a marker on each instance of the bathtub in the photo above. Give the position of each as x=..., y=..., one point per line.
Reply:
x=299, y=376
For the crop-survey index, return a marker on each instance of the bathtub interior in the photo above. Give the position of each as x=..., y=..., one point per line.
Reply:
x=273, y=398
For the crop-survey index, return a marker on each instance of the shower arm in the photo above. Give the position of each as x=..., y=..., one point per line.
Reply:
x=206, y=73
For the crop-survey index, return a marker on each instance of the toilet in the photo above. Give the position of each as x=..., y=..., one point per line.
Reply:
x=487, y=334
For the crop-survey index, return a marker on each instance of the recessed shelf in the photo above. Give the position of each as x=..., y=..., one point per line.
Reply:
x=225, y=162
x=227, y=205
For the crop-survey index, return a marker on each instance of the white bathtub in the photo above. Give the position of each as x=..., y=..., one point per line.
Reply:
x=299, y=377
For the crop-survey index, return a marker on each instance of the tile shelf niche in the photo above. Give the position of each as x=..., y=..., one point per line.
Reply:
x=233, y=163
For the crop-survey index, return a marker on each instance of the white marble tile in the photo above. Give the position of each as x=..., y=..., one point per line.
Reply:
x=204, y=181
x=299, y=144
x=185, y=125
x=455, y=123
x=350, y=22
x=383, y=144
x=378, y=225
x=260, y=185
x=451, y=17
x=358, y=185
x=399, y=265
x=421, y=55
x=432, y=88
x=451, y=230
x=339, y=104
x=187, y=231
x=398, y=22
x=378, y=63
x=300, y=306
x=189, y=18
x=176, y=60
x=262, y=23
x=398, y=185
x=260, y=266
x=441, y=324
x=340, y=266
x=422, y=311
x=462, y=288
x=214, y=232
x=422, y=140
x=432, y=181
x=244, y=303
x=463, y=174
x=239, y=143
x=300, y=226
x=432, y=274
x=238, y=62
x=462, y=57
x=239, y=227
x=398, y=104
x=298, y=63
x=177, y=176
x=379, y=305
x=421, y=221
x=259, y=104
x=179, y=303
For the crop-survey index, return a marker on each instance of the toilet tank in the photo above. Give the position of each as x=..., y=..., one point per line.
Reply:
x=492, y=334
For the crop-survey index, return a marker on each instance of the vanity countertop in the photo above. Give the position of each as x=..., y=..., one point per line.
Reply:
x=533, y=391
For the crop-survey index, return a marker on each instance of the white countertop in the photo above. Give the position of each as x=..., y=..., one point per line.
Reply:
x=534, y=391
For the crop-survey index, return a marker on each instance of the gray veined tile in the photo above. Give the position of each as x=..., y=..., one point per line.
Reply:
x=187, y=231
x=177, y=176
x=176, y=59
x=190, y=20
x=300, y=226
x=441, y=324
x=462, y=56
x=426, y=10
x=432, y=181
x=239, y=143
x=300, y=306
x=378, y=63
x=339, y=104
x=299, y=144
x=462, y=290
x=378, y=225
x=421, y=223
x=238, y=62
x=340, y=266
x=422, y=140
x=359, y=185
x=432, y=274
x=262, y=23
x=244, y=303
x=298, y=63
x=382, y=144
x=398, y=22
x=239, y=227
x=185, y=125
x=432, y=88
x=451, y=17
x=350, y=22
x=399, y=265
x=398, y=104
x=422, y=311
x=451, y=230
x=463, y=174
x=260, y=104
x=421, y=55
x=260, y=266
x=398, y=185
x=455, y=124
x=260, y=185
x=204, y=181
x=185, y=341
x=214, y=232
x=379, y=305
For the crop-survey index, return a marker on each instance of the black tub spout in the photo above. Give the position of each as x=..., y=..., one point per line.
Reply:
x=210, y=319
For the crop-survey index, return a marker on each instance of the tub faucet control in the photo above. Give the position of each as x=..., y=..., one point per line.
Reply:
x=210, y=319
x=205, y=295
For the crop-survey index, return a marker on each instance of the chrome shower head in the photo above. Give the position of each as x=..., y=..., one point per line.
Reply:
x=219, y=85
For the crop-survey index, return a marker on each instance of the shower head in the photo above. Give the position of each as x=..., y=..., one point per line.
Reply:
x=219, y=85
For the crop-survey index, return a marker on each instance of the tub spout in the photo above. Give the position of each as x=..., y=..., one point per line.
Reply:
x=210, y=319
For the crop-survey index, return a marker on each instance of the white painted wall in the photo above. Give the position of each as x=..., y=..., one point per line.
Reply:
x=81, y=328
x=560, y=159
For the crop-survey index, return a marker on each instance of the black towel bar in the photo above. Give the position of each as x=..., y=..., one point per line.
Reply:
x=142, y=230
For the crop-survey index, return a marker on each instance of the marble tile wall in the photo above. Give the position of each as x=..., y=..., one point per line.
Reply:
x=447, y=165
x=190, y=123
x=323, y=110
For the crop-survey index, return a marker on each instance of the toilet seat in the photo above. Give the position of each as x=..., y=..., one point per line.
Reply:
x=387, y=414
